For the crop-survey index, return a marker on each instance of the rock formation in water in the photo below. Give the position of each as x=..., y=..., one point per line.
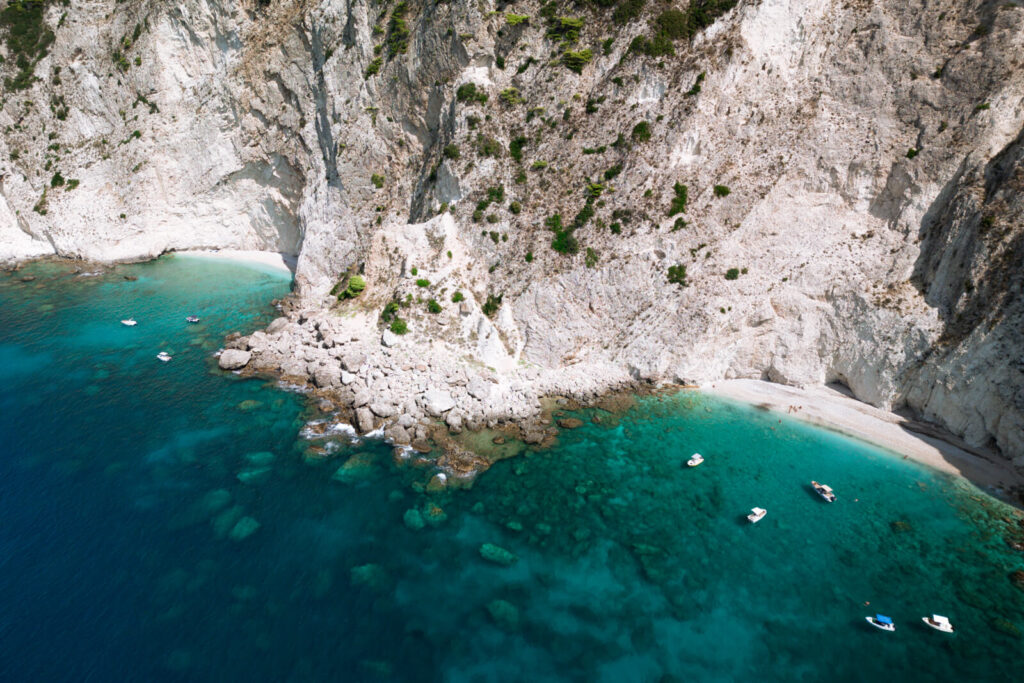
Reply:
x=555, y=197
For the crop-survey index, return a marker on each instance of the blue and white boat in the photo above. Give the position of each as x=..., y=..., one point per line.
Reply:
x=881, y=621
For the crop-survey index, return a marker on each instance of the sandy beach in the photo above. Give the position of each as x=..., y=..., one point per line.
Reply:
x=828, y=407
x=262, y=259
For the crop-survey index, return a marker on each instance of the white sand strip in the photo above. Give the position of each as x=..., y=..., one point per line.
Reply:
x=266, y=259
x=827, y=407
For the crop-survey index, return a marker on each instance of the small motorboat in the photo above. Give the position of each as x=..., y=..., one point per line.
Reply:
x=939, y=623
x=164, y=356
x=824, y=491
x=192, y=319
x=881, y=621
x=129, y=322
x=695, y=460
x=756, y=515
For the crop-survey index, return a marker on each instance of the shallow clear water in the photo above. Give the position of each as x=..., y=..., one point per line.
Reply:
x=131, y=491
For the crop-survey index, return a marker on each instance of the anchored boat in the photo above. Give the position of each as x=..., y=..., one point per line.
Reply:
x=756, y=515
x=881, y=621
x=939, y=623
x=824, y=491
x=129, y=322
x=192, y=319
x=164, y=356
x=695, y=460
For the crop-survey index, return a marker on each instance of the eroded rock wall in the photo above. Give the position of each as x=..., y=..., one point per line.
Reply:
x=857, y=164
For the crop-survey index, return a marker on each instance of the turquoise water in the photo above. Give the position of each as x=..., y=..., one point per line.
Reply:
x=166, y=521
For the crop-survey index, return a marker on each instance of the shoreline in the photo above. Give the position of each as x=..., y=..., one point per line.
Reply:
x=275, y=261
x=926, y=444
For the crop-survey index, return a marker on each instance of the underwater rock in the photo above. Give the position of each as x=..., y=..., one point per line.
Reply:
x=245, y=528
x=260, y=458
x=498, y=440
x=252, y=475
x=437, y=483
x=413, y=519
x=434, y=514
x=225, y=521
x=234, y=359
x=369, y=575
x=1006, y=626
x=249, y=405
x=358, y=466
x=214, y=500
x=498, y=555
x=900, y=526
x=1017, y=578
x=504, y=614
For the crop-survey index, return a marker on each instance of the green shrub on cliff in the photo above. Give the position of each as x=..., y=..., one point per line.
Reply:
x=399, y=326
x=679, y=200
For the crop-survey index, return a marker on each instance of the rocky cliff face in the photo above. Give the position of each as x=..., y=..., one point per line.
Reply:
x=800, y=190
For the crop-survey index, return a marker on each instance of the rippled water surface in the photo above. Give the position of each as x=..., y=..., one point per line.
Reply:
x=165, y=521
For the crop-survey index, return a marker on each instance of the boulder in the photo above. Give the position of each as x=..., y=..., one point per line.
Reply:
x=389, y=338
x=326, y=376
x=347, y=377
x=570, y=423
x=479, y=388
x=234, y=359
x=364, y=420
x=382, y=409
x=398, y=434
x=277, y=325
x=353, y=360
x=437, y=401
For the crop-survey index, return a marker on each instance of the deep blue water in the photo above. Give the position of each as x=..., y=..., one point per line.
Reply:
x=166, y=521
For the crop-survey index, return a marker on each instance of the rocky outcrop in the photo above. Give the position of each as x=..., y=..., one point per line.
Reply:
x=801, y=191
x=233, y=359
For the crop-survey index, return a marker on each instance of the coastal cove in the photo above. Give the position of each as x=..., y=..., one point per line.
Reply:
x=170, y=521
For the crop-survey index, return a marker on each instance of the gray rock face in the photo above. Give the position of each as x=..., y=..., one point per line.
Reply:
x=234, y=359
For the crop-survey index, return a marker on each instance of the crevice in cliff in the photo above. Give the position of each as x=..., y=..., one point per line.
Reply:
x=322, y=122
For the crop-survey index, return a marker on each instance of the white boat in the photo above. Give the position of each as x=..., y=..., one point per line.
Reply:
x=192, y=319
x=824, y=491
x=881, y=621
x=756, y=515
x=164, y=356
x=695, y=460
x=130, y=322
x=939, y=623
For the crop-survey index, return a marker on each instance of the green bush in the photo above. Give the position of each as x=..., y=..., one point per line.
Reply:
x=515, y=148
x=696, y=86
x=732, y=274
x=457, y=297
x=57, y=180
x=433, y=306
x=911, y=153
x=673, y=24
x=451, y=151
x=398, y=31
x=488, y=146
x=467, y=92
x=511, y=96
x=373, y=67
x=351, y=289
x=414, y=270
x=566, y=29
x=529, y=257
x=516, y=19
x=72, y=183
x=422, y=282
x=377, y=180
x=677, y=275
x=492, y=305
x=612, y=172
x=679, y=200
x=627, y=11
x=515, y=207
x=721, y=191
x=575, y=61
x=539, y=165
x=641, y=132
x=679, y=224
x=616, y=228
x=591, y=258
x=399, y=326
